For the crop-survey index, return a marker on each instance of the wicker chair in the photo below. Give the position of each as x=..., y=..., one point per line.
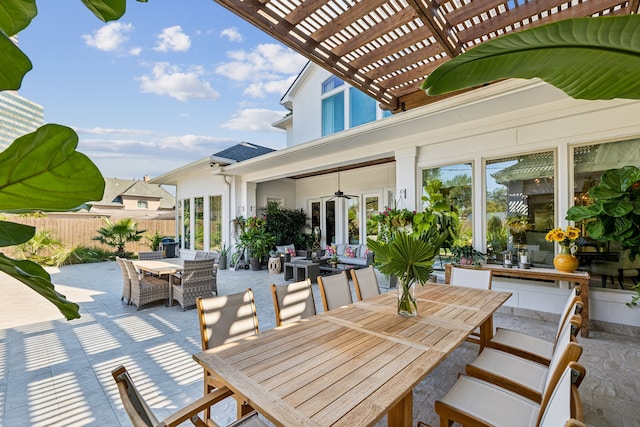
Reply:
x=126, y=282
x=151, y=255
x=198, y=279
x=145, y=289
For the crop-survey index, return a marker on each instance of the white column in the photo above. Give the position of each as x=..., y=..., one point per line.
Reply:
x=406, y=177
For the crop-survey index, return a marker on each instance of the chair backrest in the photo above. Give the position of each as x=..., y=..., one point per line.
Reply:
x=293, y=301
x=202, y=269
x=335, y=291
x=566, y=351
x=365, y=283
x=624, y=263
x=573, y=305
x=134, y=404
x=563, y=406
x=126, y=281
x=213, y=255
x=150, y=255
x=134, y=278
x=226, y=318
x=471, y=277
x=200, y=255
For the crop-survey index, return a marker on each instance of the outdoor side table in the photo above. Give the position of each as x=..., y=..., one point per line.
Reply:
x=301, y=271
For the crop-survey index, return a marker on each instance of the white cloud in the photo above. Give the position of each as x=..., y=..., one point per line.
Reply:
x=135, y=51
x=265, y=62
x=261, y=89
x=173, y=39
x=110, y=37
x=109, y=131
x=172, y=81
x=232, y=34
x=254, y=119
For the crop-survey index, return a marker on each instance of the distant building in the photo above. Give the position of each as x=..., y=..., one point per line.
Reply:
x=127, y=198
x=18, y=116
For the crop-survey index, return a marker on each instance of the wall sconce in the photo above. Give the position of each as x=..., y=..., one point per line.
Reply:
x=403, y=193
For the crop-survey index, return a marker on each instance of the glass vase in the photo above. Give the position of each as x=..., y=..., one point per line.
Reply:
x=407, y=304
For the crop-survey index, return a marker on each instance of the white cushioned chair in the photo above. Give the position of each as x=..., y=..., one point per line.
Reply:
x=335, y=291
x=292, y=301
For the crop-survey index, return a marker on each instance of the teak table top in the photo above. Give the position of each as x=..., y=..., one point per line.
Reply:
x=352, y=365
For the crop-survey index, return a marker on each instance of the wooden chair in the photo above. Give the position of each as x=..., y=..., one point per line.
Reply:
x=198, y=279
x=534, y=348
x=293, y=301
x=126, y=281
x=473, y=402
x=224, y=319
x=145, y=289
x=528, y=379
x=150, y=255
x=141, y=414
x=471, y=278
x=335, y=291
x=365, y=283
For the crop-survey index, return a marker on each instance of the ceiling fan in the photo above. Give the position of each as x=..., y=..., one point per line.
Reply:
x=340, y=193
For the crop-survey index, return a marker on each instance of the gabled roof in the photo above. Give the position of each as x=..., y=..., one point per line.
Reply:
x=116, y=188
x=386, y=48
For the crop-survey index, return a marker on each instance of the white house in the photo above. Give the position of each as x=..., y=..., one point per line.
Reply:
x=525, y=137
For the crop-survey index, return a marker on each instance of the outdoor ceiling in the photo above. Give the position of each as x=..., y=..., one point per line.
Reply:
x=386, y=48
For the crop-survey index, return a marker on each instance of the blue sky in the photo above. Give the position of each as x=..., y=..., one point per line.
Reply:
x=169, y=83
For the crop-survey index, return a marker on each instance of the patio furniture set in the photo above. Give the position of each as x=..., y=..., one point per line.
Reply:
x=359, y=361
x=152, y=278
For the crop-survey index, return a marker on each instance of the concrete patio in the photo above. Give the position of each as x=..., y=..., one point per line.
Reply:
x=58, y=373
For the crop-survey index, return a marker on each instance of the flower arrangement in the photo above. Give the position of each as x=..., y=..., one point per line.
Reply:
x=565, y=238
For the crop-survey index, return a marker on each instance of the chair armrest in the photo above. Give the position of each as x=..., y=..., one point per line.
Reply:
x=195, y=407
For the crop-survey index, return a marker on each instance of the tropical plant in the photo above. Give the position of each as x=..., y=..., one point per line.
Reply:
x=410, y=259
x=118, y=234
x=614, y=214
x=438, y=213
x=40, y=247
x=256, y=239
x=587, y=58
x=390, y=221
x=154, y=240
x=497, y=238
x=284, y=224
x=466, y=254
x=41, y=171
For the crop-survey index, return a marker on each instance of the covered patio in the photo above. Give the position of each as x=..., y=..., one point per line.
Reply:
x=57, y=373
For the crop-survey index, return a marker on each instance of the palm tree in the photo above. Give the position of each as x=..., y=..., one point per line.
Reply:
x=120, y=233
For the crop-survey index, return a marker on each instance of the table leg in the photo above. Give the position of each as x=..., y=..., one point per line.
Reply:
x=486, y=332
x=401, y=415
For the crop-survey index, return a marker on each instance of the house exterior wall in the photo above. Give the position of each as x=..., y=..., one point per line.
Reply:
x=131, y=203
x=306, y=125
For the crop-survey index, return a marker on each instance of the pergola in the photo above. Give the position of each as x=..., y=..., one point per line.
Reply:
x=386, y=48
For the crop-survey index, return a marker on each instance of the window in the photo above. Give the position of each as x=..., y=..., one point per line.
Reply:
x=362, y=108
x=353, y=219
x=333, y=114
x=372, y=207
x=143, y=204
x=198, y=214
x=186, y=223
x=215, y=223
x=520, y=205
x=457, y=191
x=331, y=83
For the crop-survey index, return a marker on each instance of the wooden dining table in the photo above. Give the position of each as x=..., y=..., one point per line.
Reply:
x=355, y=364
x=161, y=267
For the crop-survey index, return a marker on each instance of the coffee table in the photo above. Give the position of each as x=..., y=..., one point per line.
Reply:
x=301, y=270
x=339, y=268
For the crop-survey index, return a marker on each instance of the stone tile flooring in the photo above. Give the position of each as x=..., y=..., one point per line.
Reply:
x=58, y=373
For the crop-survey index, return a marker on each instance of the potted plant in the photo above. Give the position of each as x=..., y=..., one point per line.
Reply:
x=224, y=253
x=334, y=260
x=467, y=255
x=257, y=241
x=410, y=259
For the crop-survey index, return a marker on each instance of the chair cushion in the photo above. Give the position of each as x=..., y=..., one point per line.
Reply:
x=521, y=371
x=494, y=405
x=525, y=342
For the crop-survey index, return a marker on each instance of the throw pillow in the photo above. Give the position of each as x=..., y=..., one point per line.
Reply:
x=348, y=251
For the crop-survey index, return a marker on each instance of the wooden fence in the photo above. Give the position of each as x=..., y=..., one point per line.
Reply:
x=80, y=231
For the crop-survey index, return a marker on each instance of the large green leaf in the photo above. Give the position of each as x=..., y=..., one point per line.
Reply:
x=16, y=15
x=13, y=234
x=34, y=276
x=587, y=58
x=620, y=179
x=106, y=10
x=15, y=64
x=42, y=171
x=579, y=213
x=617, y=208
